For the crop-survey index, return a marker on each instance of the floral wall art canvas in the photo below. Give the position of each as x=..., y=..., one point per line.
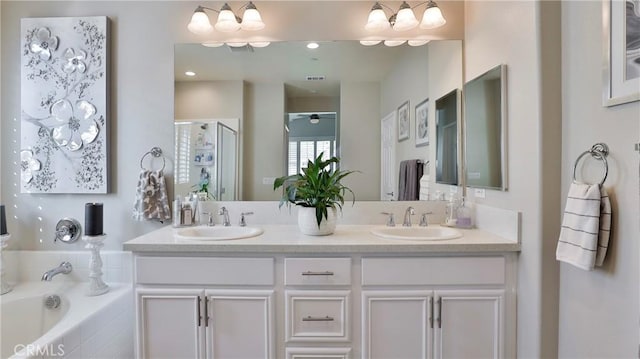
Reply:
x=64, y=119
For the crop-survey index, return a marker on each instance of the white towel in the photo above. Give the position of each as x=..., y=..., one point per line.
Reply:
x=584, y=235
x=151, y=201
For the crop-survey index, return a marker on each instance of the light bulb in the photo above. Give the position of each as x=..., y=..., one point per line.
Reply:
x=199, y=23
x=237, y=44
x=212, y=44
x=370, y=42
x=405, y=19
x=417, y=42
x=260, y=43
x=377, y=20
x=251, y=20
x=227, y=20
x=393, y=43
x=432, y=17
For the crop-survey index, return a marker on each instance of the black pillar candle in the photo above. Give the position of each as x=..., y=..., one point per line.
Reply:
x=93, y=219
x=3, y=221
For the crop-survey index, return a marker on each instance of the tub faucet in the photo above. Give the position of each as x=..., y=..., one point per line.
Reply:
x=407, y=217
x=225, y=216
x=64, y=268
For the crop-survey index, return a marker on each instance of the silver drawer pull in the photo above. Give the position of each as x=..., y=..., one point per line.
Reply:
x=318, y=319
x=317, y=273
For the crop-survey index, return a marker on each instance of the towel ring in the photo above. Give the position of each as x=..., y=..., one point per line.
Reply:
x=155, y=152
x=599, y=151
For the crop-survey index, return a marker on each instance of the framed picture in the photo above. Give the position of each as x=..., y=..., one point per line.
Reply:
x=621, y=37
x=404, y=123
x=64, y=125
x=422, y=123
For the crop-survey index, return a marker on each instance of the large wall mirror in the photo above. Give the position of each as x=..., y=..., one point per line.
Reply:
x=485, y=130
x=292, y=102
x=447, y=134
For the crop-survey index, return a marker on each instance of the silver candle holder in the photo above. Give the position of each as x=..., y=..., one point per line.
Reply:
x=4, y=286
x=96, y=285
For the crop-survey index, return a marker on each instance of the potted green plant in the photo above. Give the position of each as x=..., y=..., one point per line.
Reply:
x=319, y=193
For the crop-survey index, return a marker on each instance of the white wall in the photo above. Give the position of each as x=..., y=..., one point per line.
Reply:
x=360, y=137
x=208, y=99
x=506, y=32
x=599, y=309
x=407, y=81
x=263, y=128
x=445, y=75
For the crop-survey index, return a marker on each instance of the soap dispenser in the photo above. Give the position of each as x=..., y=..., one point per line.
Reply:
x=464, y=215
x=451, y=214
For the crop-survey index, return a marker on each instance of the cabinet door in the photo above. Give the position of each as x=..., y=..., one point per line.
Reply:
x=396, y=324
x=469, y=324
x=240, y=324
x=168, y=323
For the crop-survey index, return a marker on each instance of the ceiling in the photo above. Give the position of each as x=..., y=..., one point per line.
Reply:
x=291, y=63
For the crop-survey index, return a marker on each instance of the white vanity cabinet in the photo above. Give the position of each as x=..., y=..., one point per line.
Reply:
x=225, y=311
x=429, y=320
x=327, y=305
x=318, y=307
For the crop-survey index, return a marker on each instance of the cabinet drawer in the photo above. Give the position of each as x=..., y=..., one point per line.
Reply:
x=204, y=271
x=317, y=271
x=433, y=271
x=317, y=316
x=318, y=353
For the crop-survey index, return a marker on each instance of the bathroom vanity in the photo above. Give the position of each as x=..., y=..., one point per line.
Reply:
x=349, y=295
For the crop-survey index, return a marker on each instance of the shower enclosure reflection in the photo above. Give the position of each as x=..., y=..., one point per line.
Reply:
x=207, y=158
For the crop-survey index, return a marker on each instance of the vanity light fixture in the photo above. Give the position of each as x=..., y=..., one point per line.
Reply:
x=404, y=19
x=227, y=21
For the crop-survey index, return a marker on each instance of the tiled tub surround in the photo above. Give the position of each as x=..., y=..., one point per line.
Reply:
x=28, y=266
x=96, y=327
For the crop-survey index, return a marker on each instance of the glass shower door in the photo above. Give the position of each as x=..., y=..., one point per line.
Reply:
x=227, y=159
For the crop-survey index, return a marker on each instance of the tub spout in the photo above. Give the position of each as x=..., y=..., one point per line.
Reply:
x=64, y=268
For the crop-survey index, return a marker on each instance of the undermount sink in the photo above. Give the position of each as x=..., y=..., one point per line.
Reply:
x=218, y=233
x=430, y=233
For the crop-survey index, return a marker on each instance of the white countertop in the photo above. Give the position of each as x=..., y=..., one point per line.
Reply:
x=346, y=239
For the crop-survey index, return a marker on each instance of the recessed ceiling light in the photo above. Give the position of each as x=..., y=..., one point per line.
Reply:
x=313, y=45
x=190, y=73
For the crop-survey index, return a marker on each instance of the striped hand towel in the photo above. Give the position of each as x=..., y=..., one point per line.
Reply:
x=584, y=235
x=605, y=226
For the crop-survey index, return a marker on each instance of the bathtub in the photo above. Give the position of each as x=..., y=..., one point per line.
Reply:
x=80, y=327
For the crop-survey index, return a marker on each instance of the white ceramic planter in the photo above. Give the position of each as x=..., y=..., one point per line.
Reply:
x=308, y=224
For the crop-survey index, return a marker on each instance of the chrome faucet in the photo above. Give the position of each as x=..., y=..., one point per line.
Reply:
x=407, y=217
x=225, y=216
x=210, y=221
x=390, y=220
x=64, y=268
x=243, y=221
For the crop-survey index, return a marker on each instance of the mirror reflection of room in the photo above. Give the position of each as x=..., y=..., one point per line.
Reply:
x=359, y=85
